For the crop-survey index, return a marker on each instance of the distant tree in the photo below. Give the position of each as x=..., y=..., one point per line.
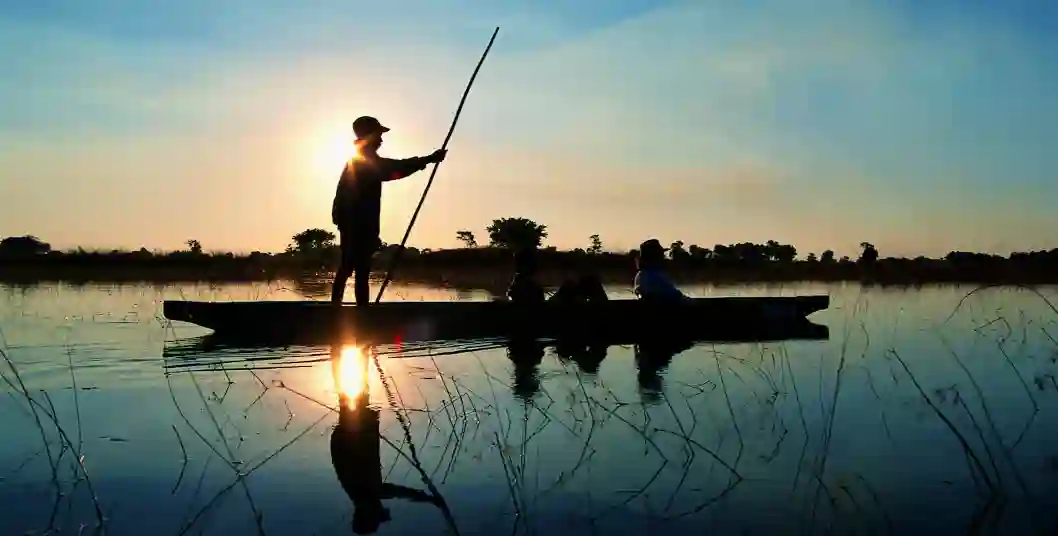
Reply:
x=596, y=244
x=771, y=249
x=23, y=246
x=777, y=252
x=724, y=253
x=750, y=253
x=310, y=241
x=811, y=257
x=869, y=254
x=677, y=252
x=194, y=246
x=784, y=253
x=827, y=257
x=467, y=238
x=516, y=233
x=699, y=253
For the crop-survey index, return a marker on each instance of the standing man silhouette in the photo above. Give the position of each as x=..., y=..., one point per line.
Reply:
x=358, y=204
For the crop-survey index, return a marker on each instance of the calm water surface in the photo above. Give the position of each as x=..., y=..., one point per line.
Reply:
x=918, y=414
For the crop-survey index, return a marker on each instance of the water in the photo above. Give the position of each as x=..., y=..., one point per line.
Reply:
x=800, y=437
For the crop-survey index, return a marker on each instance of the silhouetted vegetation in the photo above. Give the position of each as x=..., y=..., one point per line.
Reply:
x=516, y=233
x=28, y=258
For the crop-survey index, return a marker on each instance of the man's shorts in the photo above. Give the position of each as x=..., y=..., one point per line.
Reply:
x=357, y=248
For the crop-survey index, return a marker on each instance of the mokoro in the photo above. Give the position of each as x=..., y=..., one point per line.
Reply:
x=276, y=321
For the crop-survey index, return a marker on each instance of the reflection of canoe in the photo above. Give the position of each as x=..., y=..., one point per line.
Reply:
x=308, y=345
x=314, y=321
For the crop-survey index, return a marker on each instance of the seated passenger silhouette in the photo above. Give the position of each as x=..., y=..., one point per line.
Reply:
x=651, y=283
x=576, y=286
x=524, y=287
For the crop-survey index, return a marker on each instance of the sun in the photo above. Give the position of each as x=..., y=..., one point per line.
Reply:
x=334, y=152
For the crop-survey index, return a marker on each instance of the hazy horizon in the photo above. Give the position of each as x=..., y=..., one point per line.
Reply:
x=921, y=128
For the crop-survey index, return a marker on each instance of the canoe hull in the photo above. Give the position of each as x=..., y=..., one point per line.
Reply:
x=314, y=321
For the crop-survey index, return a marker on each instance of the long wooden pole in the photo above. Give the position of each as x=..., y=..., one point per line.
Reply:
x=396, y=257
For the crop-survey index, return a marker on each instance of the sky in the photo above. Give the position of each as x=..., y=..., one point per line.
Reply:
x=921, y=127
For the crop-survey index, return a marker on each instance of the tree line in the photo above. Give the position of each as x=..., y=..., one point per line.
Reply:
x=315, y=250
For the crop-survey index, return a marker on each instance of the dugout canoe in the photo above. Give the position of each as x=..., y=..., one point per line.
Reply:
x=277, y=321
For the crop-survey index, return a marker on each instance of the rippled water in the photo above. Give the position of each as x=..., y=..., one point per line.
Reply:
x=923, y=411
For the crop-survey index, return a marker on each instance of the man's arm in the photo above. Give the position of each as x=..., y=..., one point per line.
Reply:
x=671, y=289
x=393, y=169
x=654, y=285
x=394, y=491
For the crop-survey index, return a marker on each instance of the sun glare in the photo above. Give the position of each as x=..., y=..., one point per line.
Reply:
x=335, y=153
x=352, y=375
x=327, y=149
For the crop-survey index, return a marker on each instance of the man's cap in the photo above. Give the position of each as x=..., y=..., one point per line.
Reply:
x=652, y=247
x=366, y=126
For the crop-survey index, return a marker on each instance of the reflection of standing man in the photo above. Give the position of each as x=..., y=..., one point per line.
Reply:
x=355, y=451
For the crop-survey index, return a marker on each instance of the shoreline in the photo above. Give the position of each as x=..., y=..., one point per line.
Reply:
x=491, y=268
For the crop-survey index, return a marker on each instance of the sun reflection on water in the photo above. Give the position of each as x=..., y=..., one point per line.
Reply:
x=351, y=378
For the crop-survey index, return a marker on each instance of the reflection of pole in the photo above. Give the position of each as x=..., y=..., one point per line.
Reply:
x=414, y=456
x=396, y=254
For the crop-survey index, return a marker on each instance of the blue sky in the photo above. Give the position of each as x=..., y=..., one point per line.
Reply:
x=921, y=127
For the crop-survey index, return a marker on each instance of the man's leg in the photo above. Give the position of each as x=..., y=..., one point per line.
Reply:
x=361, y=288
x=345, y=267
x=364, y=251
x=340, y=279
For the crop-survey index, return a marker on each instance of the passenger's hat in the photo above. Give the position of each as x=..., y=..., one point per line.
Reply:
x=652, y=248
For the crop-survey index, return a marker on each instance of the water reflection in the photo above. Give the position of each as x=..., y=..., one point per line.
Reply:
x=835, y=437
x=587, y=356
x=350, y=374
x=355, y=445
x=312, y=287
x=652, y=360
x=526, y=356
